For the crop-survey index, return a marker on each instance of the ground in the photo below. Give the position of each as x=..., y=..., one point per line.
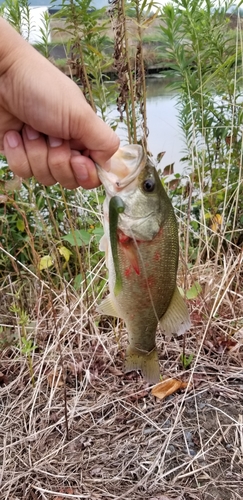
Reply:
x=113, y=439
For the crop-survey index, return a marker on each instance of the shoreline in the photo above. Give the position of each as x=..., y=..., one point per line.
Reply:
x=58, y=56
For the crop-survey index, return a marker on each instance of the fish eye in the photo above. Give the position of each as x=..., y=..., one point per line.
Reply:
x=149, y=185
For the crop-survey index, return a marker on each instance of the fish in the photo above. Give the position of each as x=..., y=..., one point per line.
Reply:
x=142, y=250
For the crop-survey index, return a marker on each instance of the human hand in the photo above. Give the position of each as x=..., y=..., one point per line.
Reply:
x=47, y=129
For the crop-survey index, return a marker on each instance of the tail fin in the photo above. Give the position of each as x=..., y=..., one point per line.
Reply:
x=147, y=362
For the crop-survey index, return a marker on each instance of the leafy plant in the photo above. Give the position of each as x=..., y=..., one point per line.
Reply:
x=207, y=62
x=129, y=64
x=86, y=49
x=186, y=360
x=45, y=35
x=18, y=15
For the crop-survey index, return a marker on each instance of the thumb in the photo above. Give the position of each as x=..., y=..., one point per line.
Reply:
x=96, y=137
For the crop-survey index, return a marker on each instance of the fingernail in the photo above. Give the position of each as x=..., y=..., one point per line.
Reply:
x=31, y=133
x=55, y=142
x=12, y=139
x=80, y=171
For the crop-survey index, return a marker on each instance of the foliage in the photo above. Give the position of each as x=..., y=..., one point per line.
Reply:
x=186, y=360
x=86, y=28
x=129, y=64
x=37, y=230
x=18, y=14
x=26, y=345
x=207, y=63
x=45, y=35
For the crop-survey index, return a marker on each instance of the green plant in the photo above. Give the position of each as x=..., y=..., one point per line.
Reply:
x=186, y=360
x=45, y=34
x=207, y=62
x=18, y=15
x=53, y=232
x=26, y=345
x=86, y=48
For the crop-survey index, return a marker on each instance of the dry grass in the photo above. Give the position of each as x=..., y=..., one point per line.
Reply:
x=115, y=440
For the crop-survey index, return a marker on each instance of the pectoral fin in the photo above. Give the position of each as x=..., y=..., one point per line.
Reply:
x=147, y=362
x=104, y=247
x=176, y=320
x=103, y=243
x=107, y=307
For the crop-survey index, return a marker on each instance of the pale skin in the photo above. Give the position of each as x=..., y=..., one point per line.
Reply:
x=47, y=129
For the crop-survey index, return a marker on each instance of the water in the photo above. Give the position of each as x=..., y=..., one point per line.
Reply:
x=164, y=131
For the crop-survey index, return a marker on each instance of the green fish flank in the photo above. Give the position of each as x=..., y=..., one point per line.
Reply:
x=116, y=207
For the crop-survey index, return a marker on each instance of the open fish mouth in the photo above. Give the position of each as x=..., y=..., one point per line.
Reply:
x=126, y=164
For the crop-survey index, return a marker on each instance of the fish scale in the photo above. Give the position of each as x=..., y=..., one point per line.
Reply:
x=146, y=249
x=146, y=289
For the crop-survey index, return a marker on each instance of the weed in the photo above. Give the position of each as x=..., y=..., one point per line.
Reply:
x=27, y=346
x=186, y=360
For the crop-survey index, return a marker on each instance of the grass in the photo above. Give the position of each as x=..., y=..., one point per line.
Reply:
x=61, y=63
x=74, y=426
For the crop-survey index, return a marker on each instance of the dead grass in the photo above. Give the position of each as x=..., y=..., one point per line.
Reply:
x=118, y=441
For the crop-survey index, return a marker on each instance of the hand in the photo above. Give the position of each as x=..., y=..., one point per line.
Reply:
x=47, y=128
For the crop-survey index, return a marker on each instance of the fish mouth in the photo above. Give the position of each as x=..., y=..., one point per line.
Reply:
x=126, y=165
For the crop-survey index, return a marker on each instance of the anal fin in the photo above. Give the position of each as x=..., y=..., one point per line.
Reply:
x=176, y=320
x=107, y=307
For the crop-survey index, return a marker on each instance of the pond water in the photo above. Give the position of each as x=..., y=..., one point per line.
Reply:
x=164, y=131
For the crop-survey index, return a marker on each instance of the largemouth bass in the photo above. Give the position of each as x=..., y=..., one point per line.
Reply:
x=141, y=245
